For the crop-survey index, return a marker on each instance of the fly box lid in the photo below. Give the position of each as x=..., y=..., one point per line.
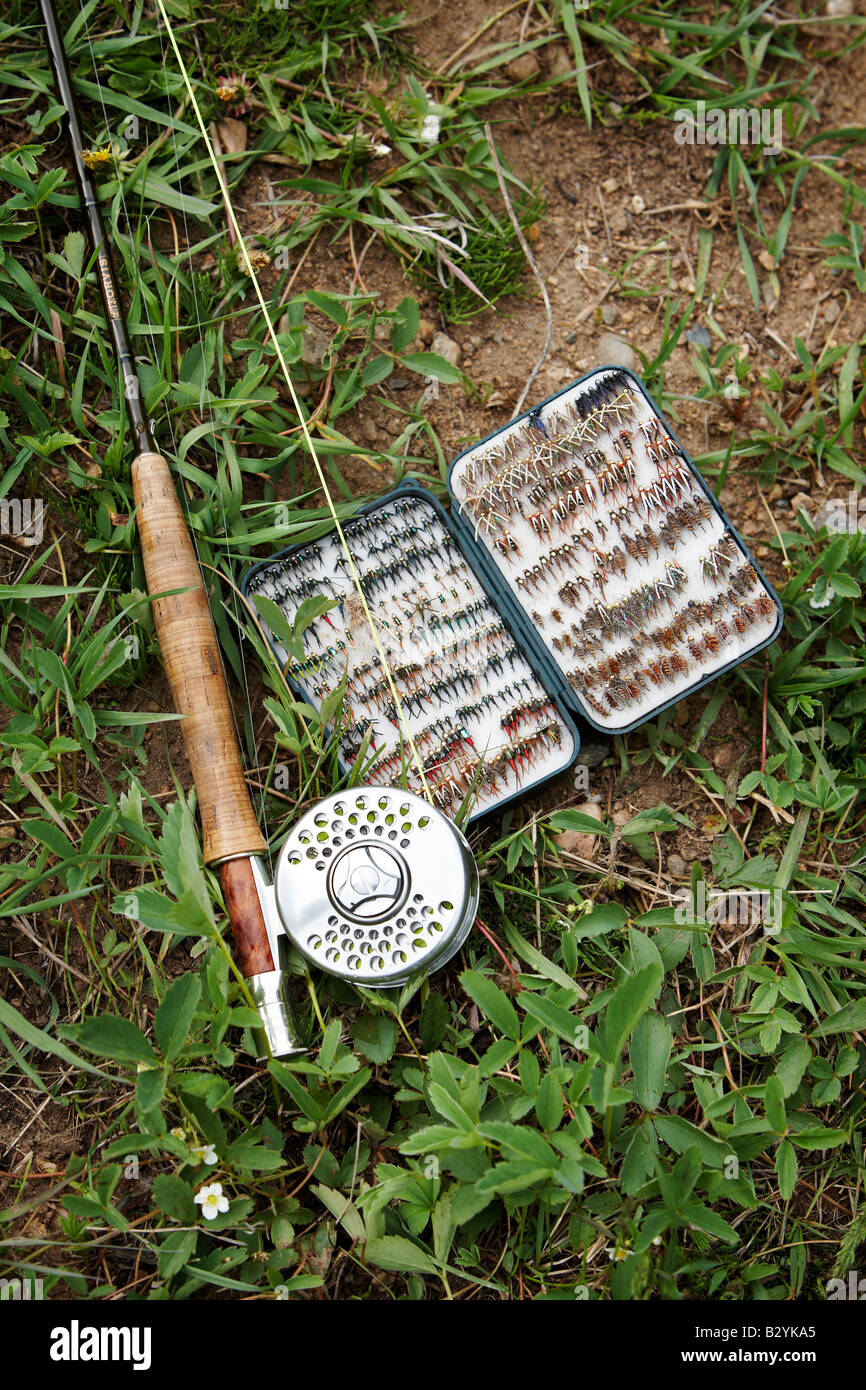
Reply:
x=635, y=585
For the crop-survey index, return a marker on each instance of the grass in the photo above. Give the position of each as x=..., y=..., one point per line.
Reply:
x=614, y=1097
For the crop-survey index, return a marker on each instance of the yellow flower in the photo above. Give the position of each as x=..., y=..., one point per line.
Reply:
x=235, y=91
x=95, y=159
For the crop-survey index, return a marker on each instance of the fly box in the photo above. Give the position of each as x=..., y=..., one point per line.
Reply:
x=585, y=569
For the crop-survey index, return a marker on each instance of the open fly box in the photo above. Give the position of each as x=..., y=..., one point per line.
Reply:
x=585, y=569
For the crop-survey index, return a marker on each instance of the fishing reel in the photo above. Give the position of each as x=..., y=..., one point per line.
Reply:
x=372, y=885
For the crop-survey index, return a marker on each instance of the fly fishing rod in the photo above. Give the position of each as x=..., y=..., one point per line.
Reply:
x=232, y=838
x=374, y=885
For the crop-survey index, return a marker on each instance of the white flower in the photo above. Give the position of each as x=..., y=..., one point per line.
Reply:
x=617, y=1252
x=829, y=595
x=211, y=1200
x=430, y=129
x=205, y=1153
x=178, y=1133
x=364, y=143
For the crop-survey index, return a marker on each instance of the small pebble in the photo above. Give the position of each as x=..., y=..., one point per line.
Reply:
x=447, y=348
x=560, y=61
x=700, y=336
x=523, y=68
x=617, y=352
x=369, y=431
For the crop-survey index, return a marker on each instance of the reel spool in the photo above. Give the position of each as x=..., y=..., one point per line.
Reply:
x=374, y=885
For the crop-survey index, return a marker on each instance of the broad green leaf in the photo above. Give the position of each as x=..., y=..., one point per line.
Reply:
x=43, y=1042
x=400, y=1255
x=774, y=1104
x=521, y=1140
x=330, y=1043
x=818, y=1138
x=786, y=1168
x=174, y=1197
x=578, y=820
x=176, y=1248
x=111, y=1036
x=340, y=1206
x=347, y=1092
x=298, y=1092
x=629, y=1001
x=468, y=1202
x=403, y=333
x=549, y=1103
x=150, y=1090
x=513, y=1175
x=431, y=364
x=173, y=1018
x=649, y=1051
x=551, y=1016
x=255, y=1157
x=492, y=1001
x=710, y=1221
x=680, y=1134
x=375, y=1036
x=850, y=1019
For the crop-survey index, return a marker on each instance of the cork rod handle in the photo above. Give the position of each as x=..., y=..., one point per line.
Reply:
x=188, y=642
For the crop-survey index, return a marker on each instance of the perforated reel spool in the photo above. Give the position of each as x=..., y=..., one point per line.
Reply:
x=374, y=885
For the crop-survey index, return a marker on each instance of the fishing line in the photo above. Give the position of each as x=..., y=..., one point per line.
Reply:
x=207, y=409
x=356, y=578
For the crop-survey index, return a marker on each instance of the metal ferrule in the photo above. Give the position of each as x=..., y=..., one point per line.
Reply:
x=277, y=1036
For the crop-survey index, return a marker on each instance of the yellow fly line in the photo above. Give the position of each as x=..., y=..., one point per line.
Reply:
x=356, y=578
